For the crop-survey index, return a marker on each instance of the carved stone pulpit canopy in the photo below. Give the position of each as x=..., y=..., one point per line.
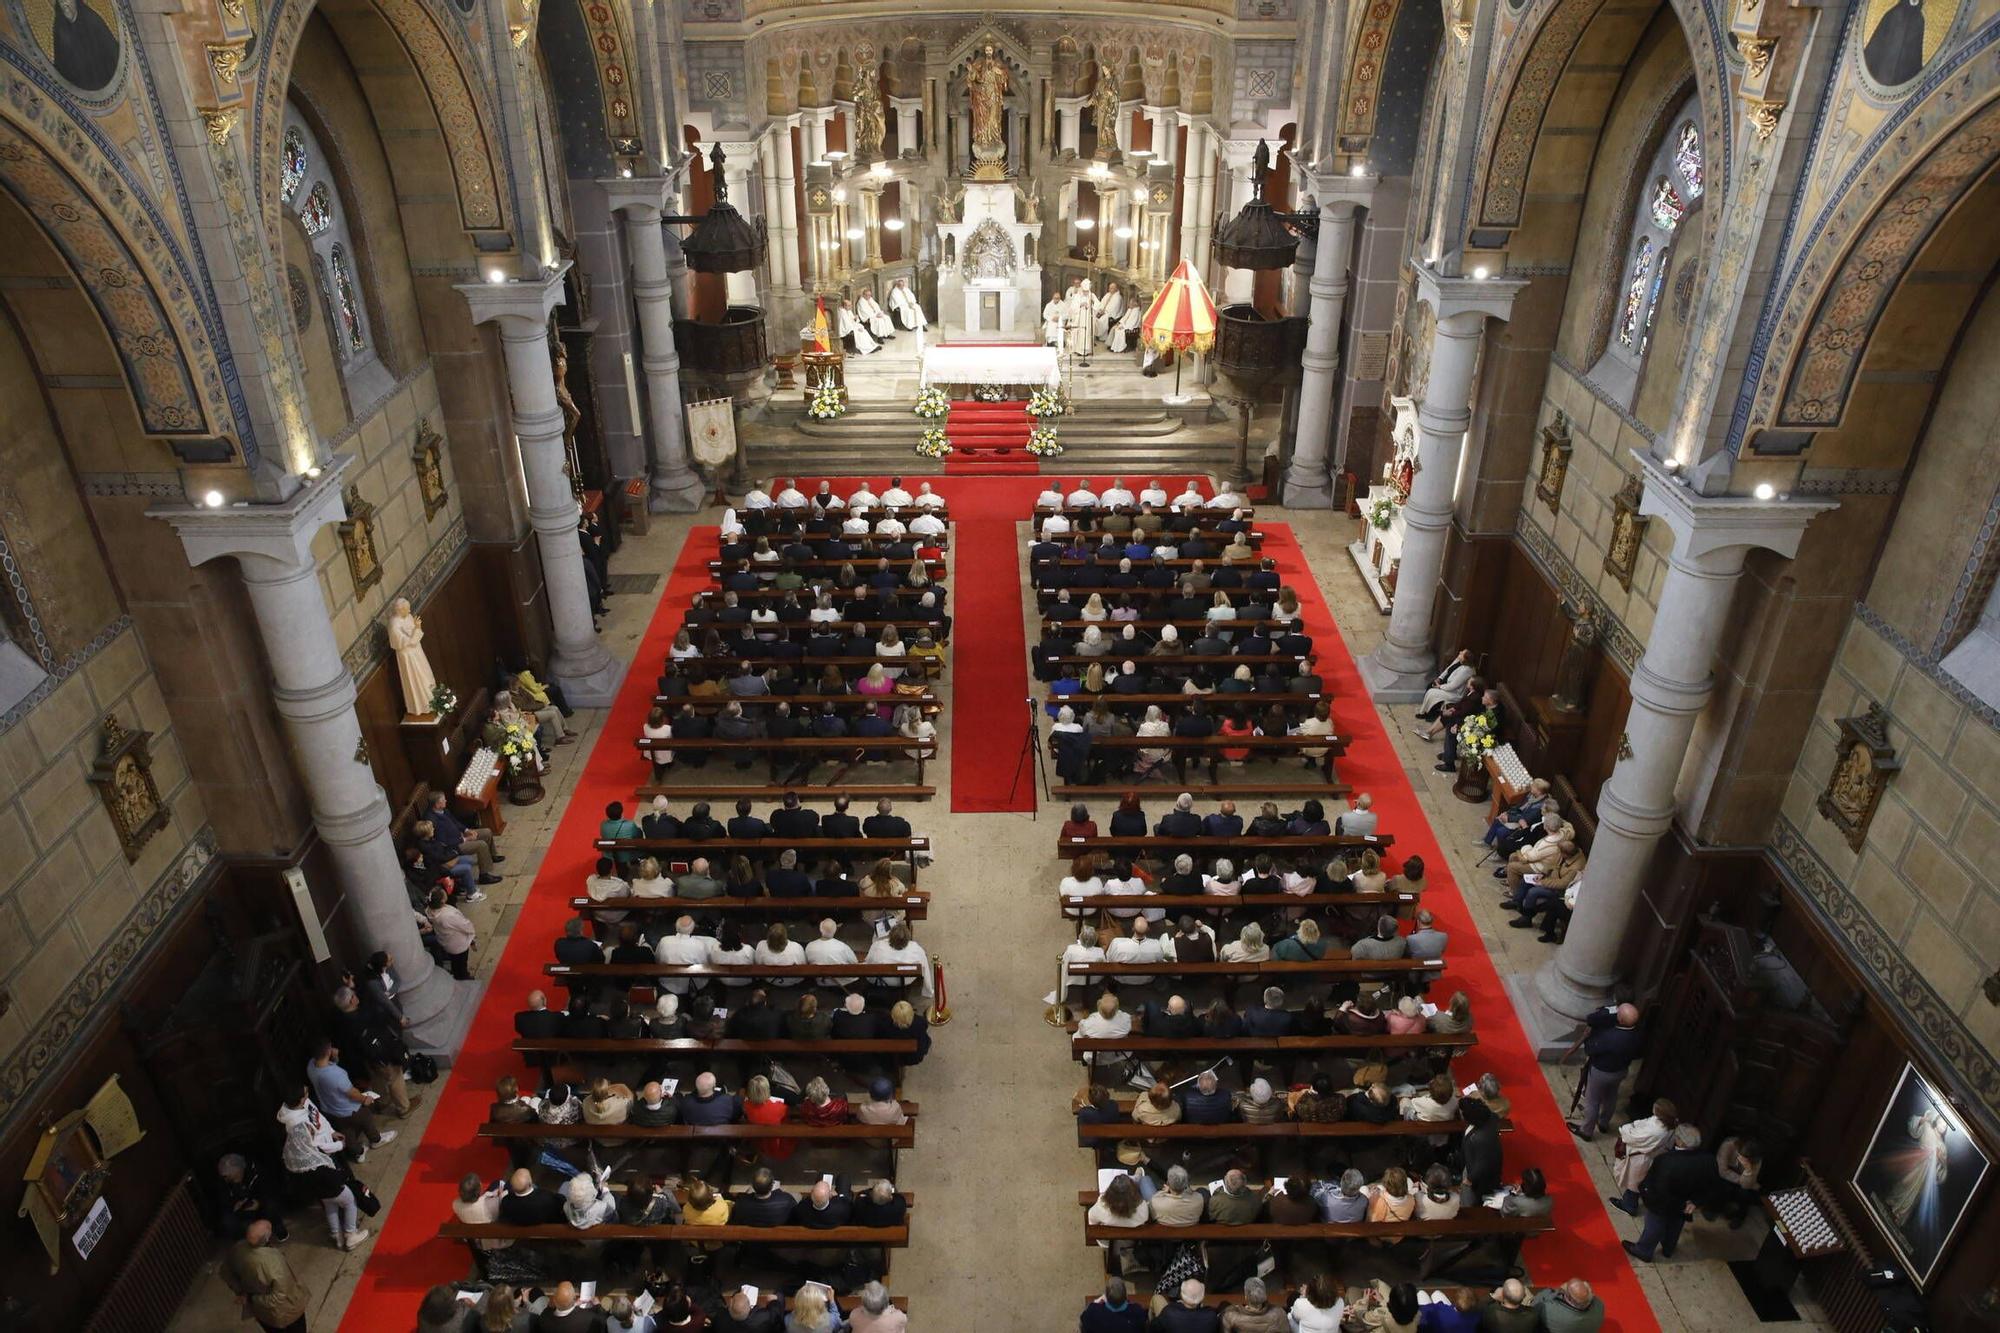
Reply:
x=1863, y=760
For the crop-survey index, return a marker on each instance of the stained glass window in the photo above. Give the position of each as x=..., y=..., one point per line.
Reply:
x=317, y=214
x=1653, y=300
x=1635, y=292
x=350, y=309
x=1668, y=206
x=1687, y=158
x=295, y=162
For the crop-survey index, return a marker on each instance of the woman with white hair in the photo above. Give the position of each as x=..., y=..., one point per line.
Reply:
x=911, y=722
x=1248, y=946
x=588, y=1203
x=666, y=1020
x=1071, y=744
x=877, y=1313
x=1168, y=644
x=1093, y=643
x=1086, y=949
x=823, y=612
x=1149, y=759
x=1224, y=882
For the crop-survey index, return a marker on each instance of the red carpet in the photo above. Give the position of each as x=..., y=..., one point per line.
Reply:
x=1585, y=1246
x=406, y=1258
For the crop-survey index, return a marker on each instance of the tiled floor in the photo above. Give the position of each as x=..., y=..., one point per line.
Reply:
x=996, y=1169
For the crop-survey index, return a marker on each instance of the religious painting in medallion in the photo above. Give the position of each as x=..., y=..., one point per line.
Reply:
x=1863, y=760
x=357, y=535
x=123, y=776
x=81, y=39
x=1628, y=532
x=1899, y=37
x=1920, y=1174
x=429, y=460
x=1556, y=451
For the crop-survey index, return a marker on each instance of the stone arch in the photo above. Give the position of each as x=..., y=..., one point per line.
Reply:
x=143, y=288
x=1558, y=52
x=1919, y=173
x=400, y=42
x=1602, y=286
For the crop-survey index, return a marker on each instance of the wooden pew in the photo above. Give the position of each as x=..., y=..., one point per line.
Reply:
x=1446, y=1240
x=800, y=747
x=932, y=565
x=1414, y=1042
x=1189, y=627
x=849, y=666
x=800, y=631
x=1173, y=701
x=1175, y=904
x=699, y=790
x=801, y=703
x=915, y=906
x=1089, y=1136
x=1249, y=512
x=1209, y=749
x=1182, y=660
x=1239, y=847
x=802, y=1237
x=571, y=974
x=713, y=596
x=901, y=849
x=1269, y=970
x=895, y=1048
x=896, y=1136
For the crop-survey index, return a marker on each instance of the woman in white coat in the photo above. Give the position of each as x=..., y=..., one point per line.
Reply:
x=1449, y=685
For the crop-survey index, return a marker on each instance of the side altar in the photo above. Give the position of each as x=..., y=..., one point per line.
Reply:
x=990, y=280
x=1379, y=549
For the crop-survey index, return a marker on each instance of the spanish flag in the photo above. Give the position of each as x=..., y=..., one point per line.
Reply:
x=822, y=338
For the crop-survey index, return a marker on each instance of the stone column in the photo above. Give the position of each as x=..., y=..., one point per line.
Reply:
x=1204, y=209
x=1238, y=284
x=1163, y=133
x=1307, y=484
x=588, y=673
x=676, y=487
x=907, y=109
x=1122, y=128
x=785, y=225
x=314, y=694
x=1670, y=688
x=1399, y=670
x=741, y=287
x=814, y=120
x=1069, y=125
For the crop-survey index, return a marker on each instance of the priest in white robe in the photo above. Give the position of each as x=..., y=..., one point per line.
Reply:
x=851, y=332
x=1052, y=322
x=1110, y=308
x=1124, y=335
x=904, y=306
x=1081, y=316
x=871, y=313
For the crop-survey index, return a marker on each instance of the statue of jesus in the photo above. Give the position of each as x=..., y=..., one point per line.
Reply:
x=985, y=88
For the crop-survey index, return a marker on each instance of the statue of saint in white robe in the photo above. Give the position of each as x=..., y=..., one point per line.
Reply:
x=413, y=669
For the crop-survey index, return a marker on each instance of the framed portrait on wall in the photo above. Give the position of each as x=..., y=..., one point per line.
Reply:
x=1920, y=1174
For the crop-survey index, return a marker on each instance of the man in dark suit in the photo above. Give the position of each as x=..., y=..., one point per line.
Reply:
x=574, y=947
x=792, y=820
x=658, y=822
x=538, y=1021
x=1209, y=643
x=746, y=825
x=1270, y=1018
x=699, y=823
x=1254, y=644
x=564, y=1314
x=764, y=1204
x=1479, y=1146
x=884, y=824
x=825, y=1207
x=1181, y=821
x=526, y=1205
x=1206, y=1103
x=1173, y=1019
x=840, y=824
x=755, y=1019
x=853, y=1022
x=1224, y=823
x=1685, y=1174
x=1130, y=682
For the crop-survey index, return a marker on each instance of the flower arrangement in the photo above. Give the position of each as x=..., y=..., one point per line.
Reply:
x=1381, y=513
x=990, y=393
x=1475, y=735
x=443, y=700
x=1045, y=403
x=1042, y=442
x=517, y=746
x=828, y=402
x=933, y=444
x=932, y=404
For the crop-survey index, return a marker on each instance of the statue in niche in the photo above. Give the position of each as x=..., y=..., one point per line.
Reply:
x=1573, y=672
x=571, y=415
x=948, y=204
x=986, y=89
x=1104, y=106
x=989, y=252
x=869, y=127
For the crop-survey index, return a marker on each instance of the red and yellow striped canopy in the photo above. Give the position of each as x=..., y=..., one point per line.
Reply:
x=1182, y=316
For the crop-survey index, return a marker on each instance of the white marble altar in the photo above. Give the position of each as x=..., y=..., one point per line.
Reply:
x=990, y=284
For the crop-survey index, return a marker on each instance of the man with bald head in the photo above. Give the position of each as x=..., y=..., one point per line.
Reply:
x=1610, y=1046
x=1188, y=1314
x=1175, y=1019
x=1510, y=1311
x=565, y=1314
x=266, y=1288
x=738, y=1315
x=527, y=1205
x=1181, y=821
x=1570, y=1308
